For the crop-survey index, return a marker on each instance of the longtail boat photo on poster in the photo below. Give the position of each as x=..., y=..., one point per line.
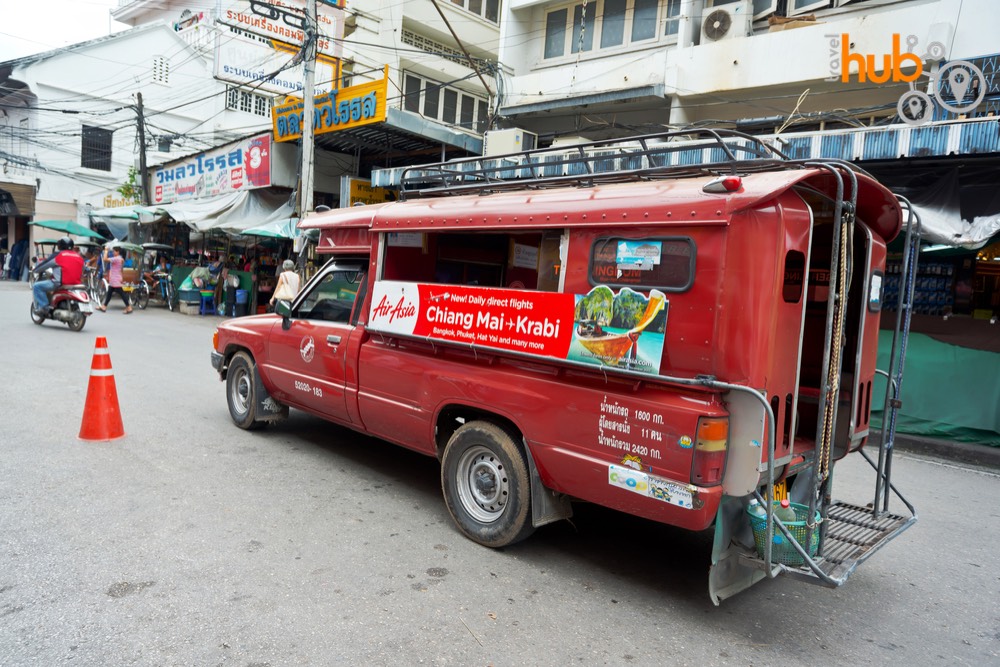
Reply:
x=623, y=330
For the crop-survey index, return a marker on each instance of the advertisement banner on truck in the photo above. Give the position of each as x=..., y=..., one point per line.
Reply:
x=623, y=330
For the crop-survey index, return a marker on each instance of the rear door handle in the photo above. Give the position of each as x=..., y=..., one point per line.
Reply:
x=333, y=340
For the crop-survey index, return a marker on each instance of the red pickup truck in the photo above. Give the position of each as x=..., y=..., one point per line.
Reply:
x=656, y=340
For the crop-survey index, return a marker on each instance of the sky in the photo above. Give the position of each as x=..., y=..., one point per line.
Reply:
x=34, y=26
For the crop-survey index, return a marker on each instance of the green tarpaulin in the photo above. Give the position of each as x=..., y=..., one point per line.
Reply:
x=948, y=391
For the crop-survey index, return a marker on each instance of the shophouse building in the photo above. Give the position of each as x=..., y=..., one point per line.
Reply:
x=210, y=74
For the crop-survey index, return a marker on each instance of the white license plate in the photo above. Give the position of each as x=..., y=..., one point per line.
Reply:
x=86, y=308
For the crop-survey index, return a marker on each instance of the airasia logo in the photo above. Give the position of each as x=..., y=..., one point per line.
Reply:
x=402, y=309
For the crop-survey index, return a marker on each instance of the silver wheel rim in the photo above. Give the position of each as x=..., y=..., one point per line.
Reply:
x=241, y=392
x=483, y=486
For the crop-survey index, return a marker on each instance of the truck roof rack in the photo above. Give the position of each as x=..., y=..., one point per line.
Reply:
x=683, y=153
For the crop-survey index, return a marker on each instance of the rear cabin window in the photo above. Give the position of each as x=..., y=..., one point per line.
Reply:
x=666, y=264
x=523, y=260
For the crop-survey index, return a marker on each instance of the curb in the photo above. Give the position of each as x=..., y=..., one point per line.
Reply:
x=951, y=450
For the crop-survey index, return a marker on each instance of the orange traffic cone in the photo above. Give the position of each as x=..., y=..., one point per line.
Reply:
x=102, y=420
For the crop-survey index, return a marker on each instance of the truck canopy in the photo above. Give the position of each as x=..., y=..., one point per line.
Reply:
x=680, y=201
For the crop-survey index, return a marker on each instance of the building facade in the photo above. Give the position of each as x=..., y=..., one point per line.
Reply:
x=210, y=73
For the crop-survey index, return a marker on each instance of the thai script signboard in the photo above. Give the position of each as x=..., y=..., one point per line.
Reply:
x=284, y=20
x=253, y=62
x=241, y=165
x=341, y=109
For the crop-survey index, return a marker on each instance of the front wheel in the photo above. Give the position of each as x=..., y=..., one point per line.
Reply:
x=102, y=290
x=171, y=297
x=37, y=319
x=241, y=393
x=142, y=295
x=484, y=477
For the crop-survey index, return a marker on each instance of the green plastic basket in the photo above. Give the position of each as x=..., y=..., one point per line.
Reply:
x=781, y=550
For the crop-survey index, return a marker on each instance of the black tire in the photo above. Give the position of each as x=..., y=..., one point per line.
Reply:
x=484, y=477
x=102, y=290
x=171, y=297
x=37, y=319
x=142, y=295
x=78, y=321
x=241, y=394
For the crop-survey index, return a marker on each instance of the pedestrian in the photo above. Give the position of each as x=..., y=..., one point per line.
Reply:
x=288, y=283
x=114, y=263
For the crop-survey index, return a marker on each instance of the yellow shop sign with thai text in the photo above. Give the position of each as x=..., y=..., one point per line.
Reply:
x=353, y=106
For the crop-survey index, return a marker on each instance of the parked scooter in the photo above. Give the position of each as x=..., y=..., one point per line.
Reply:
x=69, y=304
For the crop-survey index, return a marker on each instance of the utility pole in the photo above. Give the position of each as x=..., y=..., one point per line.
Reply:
x=308, y=88
x=143, y=179
x=309, y=46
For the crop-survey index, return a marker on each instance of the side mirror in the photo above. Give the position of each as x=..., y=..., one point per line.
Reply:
x=284, y=308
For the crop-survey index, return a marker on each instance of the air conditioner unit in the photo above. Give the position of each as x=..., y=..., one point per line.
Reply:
x=512, y=140
x=727, y=21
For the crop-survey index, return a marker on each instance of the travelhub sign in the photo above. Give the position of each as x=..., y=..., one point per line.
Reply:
x=957, y=86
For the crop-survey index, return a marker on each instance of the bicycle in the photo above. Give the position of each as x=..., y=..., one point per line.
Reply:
x=141, y=294
x=97, y=287
x=168, y=291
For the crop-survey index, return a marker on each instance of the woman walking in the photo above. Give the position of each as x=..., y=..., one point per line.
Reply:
x=288, y=283
x=114, y=264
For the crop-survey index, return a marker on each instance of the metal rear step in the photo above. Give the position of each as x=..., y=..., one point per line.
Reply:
x=853, y=533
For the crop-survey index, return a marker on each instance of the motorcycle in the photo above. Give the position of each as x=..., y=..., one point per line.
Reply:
x=70, y=304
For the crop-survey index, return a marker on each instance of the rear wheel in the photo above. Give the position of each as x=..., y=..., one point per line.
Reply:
x=79, y=319
x=484, y=477
x=241, y=393
x=102, y=290
x=142, y=295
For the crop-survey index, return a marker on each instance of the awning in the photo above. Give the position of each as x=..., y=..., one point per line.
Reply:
x=133, y=212
x=68, y=227
x=284, y=228
x=17, y=199
x=232, y=212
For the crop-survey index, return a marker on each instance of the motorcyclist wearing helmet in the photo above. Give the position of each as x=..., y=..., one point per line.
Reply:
x=70, y=264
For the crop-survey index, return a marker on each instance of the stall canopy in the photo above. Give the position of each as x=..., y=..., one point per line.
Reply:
x=67, y=227
x=233, y=212
x=285, y=228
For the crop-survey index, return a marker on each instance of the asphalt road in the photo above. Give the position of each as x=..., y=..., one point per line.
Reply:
x=190, y=542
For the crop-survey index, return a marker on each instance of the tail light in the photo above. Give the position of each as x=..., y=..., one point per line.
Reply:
x=709, y=462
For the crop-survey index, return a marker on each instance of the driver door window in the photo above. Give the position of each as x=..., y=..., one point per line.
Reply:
x=332, y=298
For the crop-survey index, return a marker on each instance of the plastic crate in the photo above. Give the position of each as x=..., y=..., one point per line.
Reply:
x=781, y=550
